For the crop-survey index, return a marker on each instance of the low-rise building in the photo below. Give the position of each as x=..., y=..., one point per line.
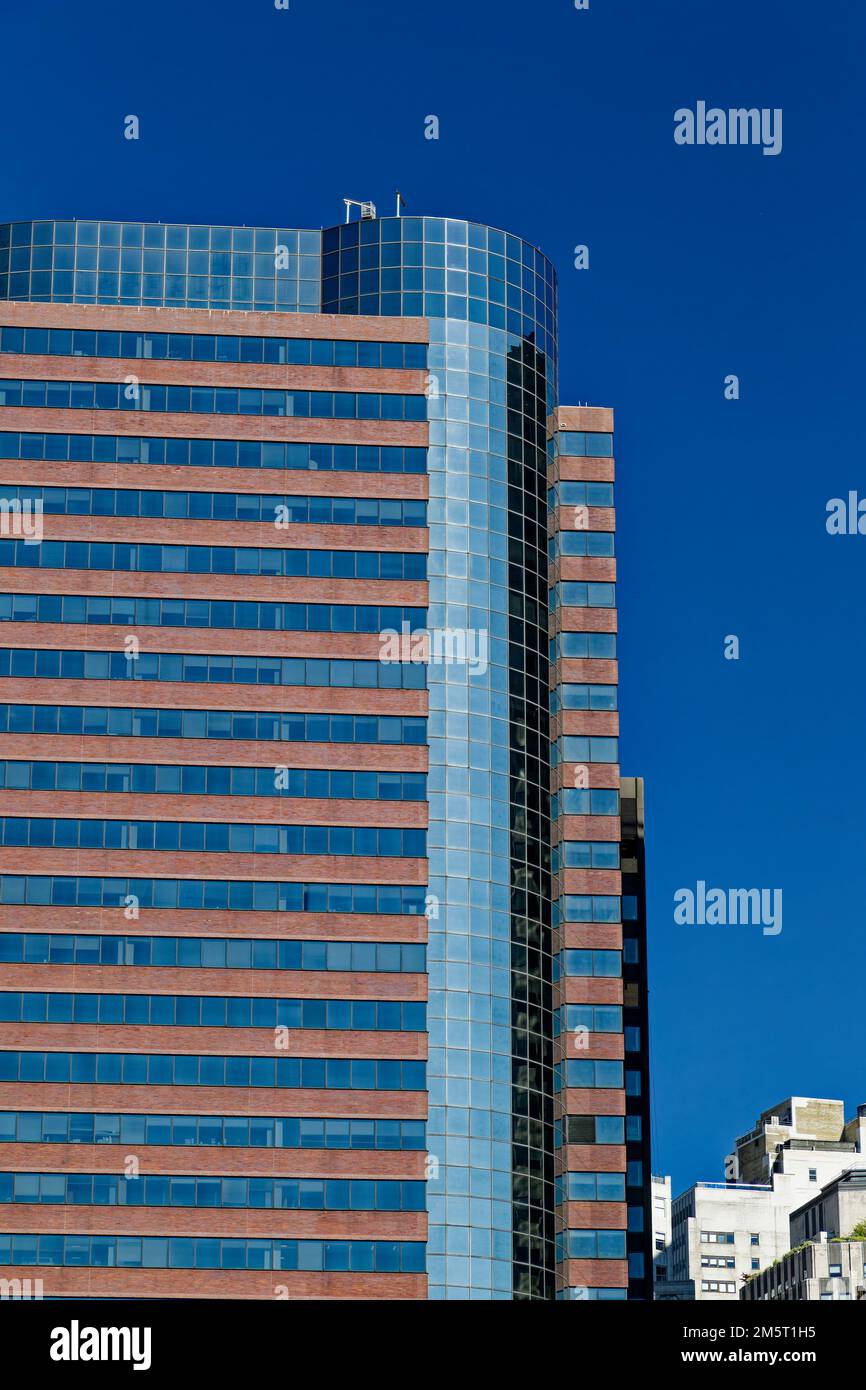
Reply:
x=665, y=1287
x=660, y=1191
x=803, y=1138
x=825, y=1270
x=723, y=1233
x=838, y=1209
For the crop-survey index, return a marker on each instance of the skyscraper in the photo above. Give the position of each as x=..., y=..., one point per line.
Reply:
x=310, y=987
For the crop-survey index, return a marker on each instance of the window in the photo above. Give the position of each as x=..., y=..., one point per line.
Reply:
x=274, y=509
x=590, y=1187
x=573, y=801
x=210, y=400
x=196, y=780
x=214, y=1011
x=158, y=1252
x=588, y=963
x=591, y=543
x=212, y=953
x=207, y=347
x=597, y=908
x=209, y=1131
x=141, y=1069
x=595, y=854
x=287, y=1194
x=114, y=721
x=213, y=837
x=601, y=1075
x=229, y=613
x=594, y=1129
x=578, y=494
x=577, y=748
x=589, y=1245
x=573, y=594
x=236, y=895
x=573, y=645
x=223, y=453
x=267, y=561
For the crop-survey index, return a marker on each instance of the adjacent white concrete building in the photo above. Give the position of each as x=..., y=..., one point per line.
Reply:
x=827, y=1270
x=722, y=1233
x=837, y=1212
x=666, y=1287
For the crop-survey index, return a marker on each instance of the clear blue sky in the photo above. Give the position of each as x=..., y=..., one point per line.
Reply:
x=558, y=125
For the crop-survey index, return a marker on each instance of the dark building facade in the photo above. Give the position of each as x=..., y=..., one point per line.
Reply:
x=311, y=972
x=635, y=950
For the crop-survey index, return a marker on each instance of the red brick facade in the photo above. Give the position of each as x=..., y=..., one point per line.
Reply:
x=576, y=1276
x=382, y=1225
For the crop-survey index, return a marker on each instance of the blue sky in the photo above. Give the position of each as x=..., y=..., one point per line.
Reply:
x=558, y=124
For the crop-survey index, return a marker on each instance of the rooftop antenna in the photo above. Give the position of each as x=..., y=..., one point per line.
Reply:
x=401, y=203
x=368, y=210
